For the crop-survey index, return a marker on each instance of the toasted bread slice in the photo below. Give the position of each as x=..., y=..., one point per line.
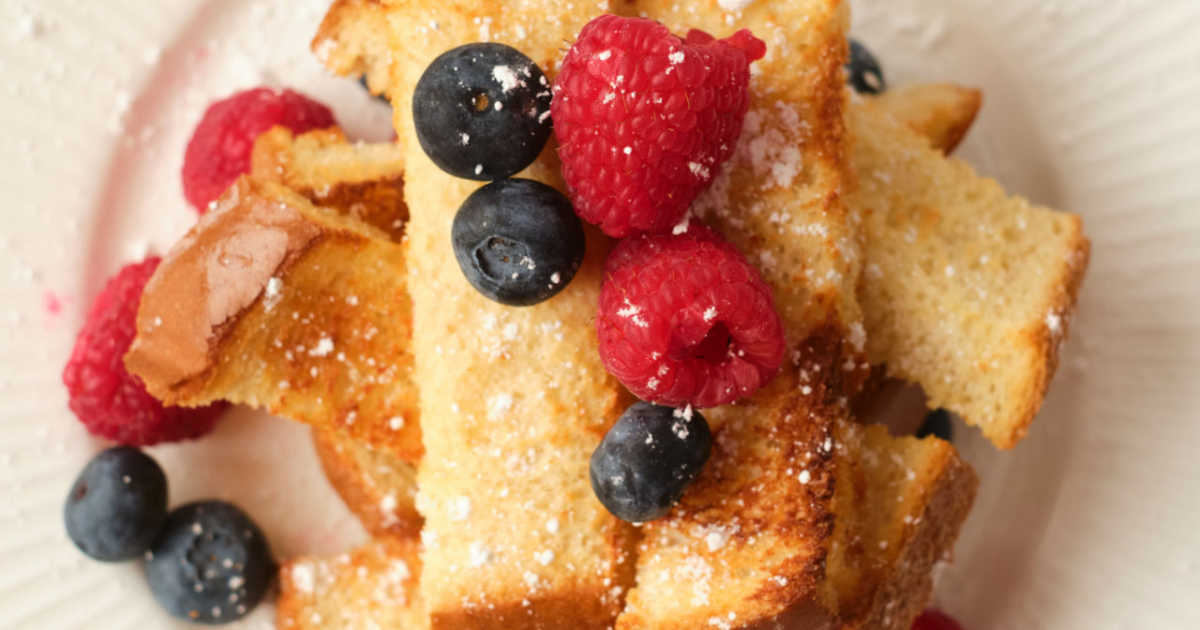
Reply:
x=746, y=546
x=353, y=41
x=377, y=487
x=272, y=302
x=513, y=401
x=780, y=199
x=967, y=291
x=941, y=112
x=362, y=180
x=372, y=588
x=900, y=503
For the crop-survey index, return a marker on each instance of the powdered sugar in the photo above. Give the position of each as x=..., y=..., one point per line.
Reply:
x=507, y=78
x=734, y=5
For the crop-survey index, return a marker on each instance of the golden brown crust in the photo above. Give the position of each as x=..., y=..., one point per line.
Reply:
x=351, y=41
x=1048, y=338
x=372, y=587
x=905, y=591
x=941, y=112
x=781, y=197
x=208, y=280
x=901, y=502
x=377, y=487
x=321, y=336
x=364, y=181
x=752, y=533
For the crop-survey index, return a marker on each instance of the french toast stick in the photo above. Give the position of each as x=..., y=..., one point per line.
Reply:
x=275, y=303
x=967, y=291
x=513, y=400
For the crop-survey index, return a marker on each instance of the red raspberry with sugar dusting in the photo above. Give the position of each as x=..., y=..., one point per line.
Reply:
x=220, y=148
x=107, y=399
x=645, y=119
x=935, y=620
x=686, y=320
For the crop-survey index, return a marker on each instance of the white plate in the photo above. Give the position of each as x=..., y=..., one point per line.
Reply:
x=1090, y=106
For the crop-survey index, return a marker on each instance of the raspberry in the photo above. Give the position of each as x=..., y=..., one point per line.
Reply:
x=220, y=148
x=107, y=399
x=935, y=620
x=644, y=119
x=685, y=320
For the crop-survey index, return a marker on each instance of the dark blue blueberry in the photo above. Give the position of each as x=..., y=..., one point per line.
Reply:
x=647, y=459
x=117, y=505
x=863, y=70
x=937, y=422
x=518, y=241
x=211, y=564
x=482, y=111
x=362, y=80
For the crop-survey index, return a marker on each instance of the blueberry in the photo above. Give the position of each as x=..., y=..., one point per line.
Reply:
x=519, y=242
x=211, y=563
x=362, y=80
x=117, y=505
x=647, y=459
x=482, y=111
x=938, y=423
x=865, y=73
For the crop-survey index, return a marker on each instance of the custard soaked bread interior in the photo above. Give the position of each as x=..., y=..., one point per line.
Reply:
x=967, y=291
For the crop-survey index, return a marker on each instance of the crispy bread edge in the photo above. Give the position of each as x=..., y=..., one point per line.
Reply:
x=1047, y=338
x=362, y=496
x=900, y=599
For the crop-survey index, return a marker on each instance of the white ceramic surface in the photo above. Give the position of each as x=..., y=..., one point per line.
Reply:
x=1090, y=106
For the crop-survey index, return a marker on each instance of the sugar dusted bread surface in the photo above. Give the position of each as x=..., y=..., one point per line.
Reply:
x=362, y=180
x=781, y=198
x=274, y=303
x=900, y=503
x=377, y=487
x=967, y=290
x=373, y=587
x=513, y=400
x=940, y=112
x=747, y=544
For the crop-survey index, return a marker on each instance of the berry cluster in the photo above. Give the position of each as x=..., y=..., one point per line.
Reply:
x=645, y=120
x=206, y=562
x=482, y=112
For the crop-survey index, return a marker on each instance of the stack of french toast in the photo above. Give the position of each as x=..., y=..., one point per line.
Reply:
x=321, y=288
